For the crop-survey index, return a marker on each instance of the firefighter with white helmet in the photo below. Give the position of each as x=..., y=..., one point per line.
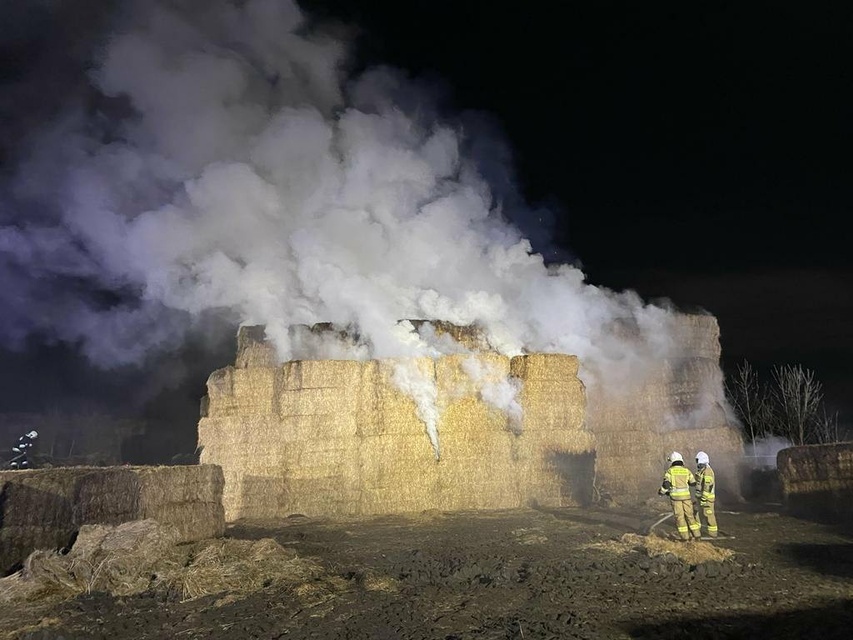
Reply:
x=706, y=490
x=19, y=451
x=676, y=484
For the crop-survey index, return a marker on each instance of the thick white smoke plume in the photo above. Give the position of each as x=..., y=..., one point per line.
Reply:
x=238, y=172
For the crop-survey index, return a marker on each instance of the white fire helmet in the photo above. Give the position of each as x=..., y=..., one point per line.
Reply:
x=675, y=457
x=702, y=458
x=33, y=434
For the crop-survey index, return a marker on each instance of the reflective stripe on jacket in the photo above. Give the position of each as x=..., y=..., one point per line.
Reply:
x=677, y=482
x=707, y=484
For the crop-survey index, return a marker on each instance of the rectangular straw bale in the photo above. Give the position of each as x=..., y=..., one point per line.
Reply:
x=179, y=484
x=256, y=390
x=110, y=496
x=220, y=400
x=697, y=335
x=395, y=449
x=194, y=520
x=544, y=366
x=242, y=392
x=308, y=374
x=42, y=497
x=253, y=350
x=413, y=489
x=319, y=400
x=334, y=460
x=252, y=495
x=318, y=496
x=473, y=416
x=579, y=441
x=480, y=495
x=301, y=427
x=453, y=380
x=550, y=404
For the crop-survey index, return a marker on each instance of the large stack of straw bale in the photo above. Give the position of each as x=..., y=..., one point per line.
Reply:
x=817, y=480
x=44, y=508
x=680, y=406
x=322, y=437
x=337, y=436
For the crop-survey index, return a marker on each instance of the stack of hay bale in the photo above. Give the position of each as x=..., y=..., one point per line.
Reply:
x=322, y=437
x=44, y=508
x=679, y=407
x=817, y=481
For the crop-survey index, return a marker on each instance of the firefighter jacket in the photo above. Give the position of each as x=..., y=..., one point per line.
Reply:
x=677, y=482
x=24, y=443
x=705, y=484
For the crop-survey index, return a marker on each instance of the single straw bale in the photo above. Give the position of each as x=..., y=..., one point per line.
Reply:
x=179, y=484
x=317, y=496
x=452, y=373
x=220, y=400
x=413, y=487
x=109, y=496
x=242, y=392
x=544, y=366
x=252, y=496
x=308, y=374
x=468, y=336
x=698, y=335
x=328, y=424
x=41, y=497
x=319, y=400
x=192, y=520
x=253, y=350
x=318, y=459
x=256, y=390
x=395, y=449
x=552, y=396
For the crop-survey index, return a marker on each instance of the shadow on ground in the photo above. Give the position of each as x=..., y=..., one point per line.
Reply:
x=828, y=622
x=827, y=559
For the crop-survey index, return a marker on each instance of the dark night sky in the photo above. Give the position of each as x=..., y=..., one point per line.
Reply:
x=701, y=153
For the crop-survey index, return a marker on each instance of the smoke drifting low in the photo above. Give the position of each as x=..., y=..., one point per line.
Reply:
x=232, y=169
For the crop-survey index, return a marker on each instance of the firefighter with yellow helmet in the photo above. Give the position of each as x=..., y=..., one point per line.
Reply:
x=677, y=482
x=705, y=491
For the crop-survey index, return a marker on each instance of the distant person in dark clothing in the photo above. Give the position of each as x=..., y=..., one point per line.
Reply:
x=20, y=450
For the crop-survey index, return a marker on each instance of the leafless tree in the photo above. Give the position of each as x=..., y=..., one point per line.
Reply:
x=798, y=398
x=826, y=427
x=791, y=407
x=750, y=400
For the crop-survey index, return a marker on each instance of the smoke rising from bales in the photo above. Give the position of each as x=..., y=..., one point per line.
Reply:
x=237, y=171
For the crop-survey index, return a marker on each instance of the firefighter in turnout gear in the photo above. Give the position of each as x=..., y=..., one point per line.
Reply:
x=705, y=486
x=19, y=451
x=676, y=484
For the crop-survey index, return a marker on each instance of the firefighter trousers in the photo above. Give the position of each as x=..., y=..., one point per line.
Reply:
x=685, y=520
x=709, y=517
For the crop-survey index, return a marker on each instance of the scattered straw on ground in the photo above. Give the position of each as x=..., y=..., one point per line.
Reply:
x=693, y=553
x=140, y=556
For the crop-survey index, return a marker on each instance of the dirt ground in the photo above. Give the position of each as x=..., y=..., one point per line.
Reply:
x=533, y=573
